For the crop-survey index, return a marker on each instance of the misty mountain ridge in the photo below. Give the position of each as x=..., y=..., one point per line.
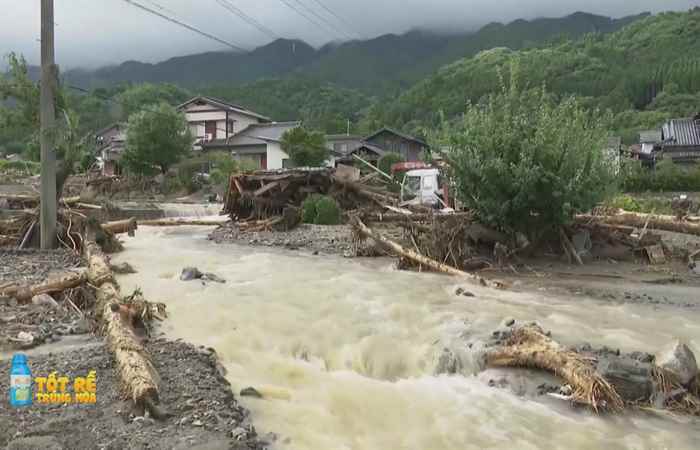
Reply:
x=390, y=61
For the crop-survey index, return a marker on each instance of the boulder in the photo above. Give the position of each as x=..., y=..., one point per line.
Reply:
x=680, y=361
x=190, y=273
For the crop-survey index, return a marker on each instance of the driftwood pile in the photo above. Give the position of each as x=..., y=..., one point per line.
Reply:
x=263, y=195
x=603, y=380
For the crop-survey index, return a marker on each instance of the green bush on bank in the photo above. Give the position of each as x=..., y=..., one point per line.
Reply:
x=666, y=177
x=25, y=167
x=320, y=210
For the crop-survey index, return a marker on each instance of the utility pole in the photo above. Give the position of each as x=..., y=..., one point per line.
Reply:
x=49, y=199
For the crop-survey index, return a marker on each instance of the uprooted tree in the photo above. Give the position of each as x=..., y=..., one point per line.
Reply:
x=527, y=163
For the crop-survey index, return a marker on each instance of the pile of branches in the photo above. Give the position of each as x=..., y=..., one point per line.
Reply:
x=261, y=195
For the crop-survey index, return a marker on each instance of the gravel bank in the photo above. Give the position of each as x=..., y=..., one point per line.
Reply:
x=205, y=413
x=30, y=266
x=336, y=239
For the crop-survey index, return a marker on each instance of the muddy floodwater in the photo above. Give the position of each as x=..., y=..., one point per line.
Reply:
x=344, y=351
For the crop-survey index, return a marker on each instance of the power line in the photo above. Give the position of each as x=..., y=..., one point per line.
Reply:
x=307, y=17
x=321, y=18
x=183, y=24
x=246, y=18
x=337, y=17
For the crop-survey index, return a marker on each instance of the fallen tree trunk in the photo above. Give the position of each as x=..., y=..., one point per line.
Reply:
x=139, y=379
x=121, y=226
x=399, y=250
x=529, y=346
x=638, y=220
x=184, y=221
x=24, y=293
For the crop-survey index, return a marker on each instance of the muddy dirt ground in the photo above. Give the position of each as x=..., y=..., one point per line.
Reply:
x=205, y=413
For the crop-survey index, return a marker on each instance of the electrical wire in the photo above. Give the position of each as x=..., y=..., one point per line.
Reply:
x=321, y=18
x=338, y=18
x=307, y=17
x=184, y=25
x=246, y=18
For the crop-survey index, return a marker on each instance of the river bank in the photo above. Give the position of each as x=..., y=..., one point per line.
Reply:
x=55, y=334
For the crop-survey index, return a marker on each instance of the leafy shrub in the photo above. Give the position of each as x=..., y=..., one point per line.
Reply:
x=526, y=163
x=22, y=167
x=308, y=208
x=320, y=210
x=327, y=212
x=666, y=177
x=626, y=202
x=385, y=162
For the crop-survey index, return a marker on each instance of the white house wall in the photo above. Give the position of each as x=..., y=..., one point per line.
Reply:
x=275, y=155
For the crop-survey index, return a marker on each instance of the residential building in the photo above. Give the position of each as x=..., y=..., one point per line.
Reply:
x=650, y=141
x=374, y=146
x=390, y=140
x=259, y=143
x=111, y=142
x=681, y=140
x=212, y=119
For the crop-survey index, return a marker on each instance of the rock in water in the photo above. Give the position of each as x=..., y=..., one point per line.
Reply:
x=679, y=360
x=250, y=392
x=191, y=273
x=123, y=268
x=212, y=277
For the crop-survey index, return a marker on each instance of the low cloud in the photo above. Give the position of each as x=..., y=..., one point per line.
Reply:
x=94, y=33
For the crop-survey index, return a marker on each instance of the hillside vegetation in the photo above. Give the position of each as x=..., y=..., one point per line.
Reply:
x=645, y=73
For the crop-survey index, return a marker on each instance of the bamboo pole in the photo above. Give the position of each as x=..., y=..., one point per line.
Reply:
x=418, y=258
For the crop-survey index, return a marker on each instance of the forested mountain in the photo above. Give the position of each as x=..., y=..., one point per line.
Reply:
x=375, y=65
x=644, y=73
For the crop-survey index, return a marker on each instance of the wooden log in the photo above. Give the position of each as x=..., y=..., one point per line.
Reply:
x=638, y=220
x=266, y=188
x=139, y=379
x=529, y=346
x=399, y=250
x=24, y=293
x=184, y=221
x=569, y=246
x=121, y=226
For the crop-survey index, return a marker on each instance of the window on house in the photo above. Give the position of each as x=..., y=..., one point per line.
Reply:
x=230, y=126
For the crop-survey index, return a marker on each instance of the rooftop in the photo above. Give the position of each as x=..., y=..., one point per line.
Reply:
x=224, y=105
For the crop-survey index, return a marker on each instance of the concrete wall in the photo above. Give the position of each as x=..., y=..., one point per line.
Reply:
x=275, y=156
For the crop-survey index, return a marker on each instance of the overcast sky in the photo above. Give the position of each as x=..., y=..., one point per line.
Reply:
x=91, y=33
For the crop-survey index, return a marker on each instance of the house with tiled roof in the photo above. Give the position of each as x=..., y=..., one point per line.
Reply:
x=681, y=140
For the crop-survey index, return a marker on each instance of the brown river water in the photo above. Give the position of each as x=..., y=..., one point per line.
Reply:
x=344, y=351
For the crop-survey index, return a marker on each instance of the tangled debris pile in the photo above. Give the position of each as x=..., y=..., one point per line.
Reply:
x=264, y=203
x=604, y=380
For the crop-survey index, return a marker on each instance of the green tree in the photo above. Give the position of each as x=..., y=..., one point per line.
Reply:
x=156, y=139
x=147, y=95
x=527, y=164
x=306, y=148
